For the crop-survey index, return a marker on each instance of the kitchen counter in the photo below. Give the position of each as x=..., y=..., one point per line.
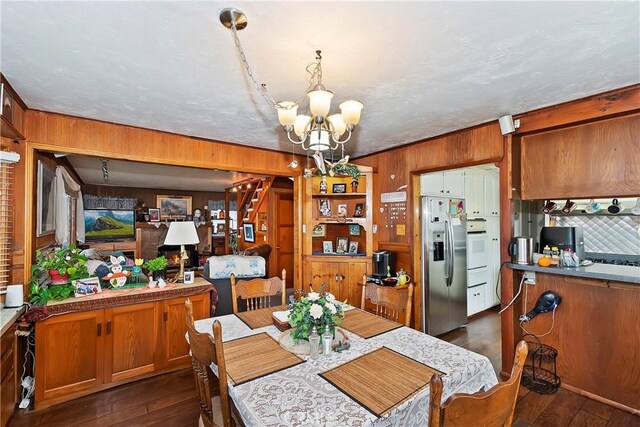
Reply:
x=8, y=316
x=617, y=273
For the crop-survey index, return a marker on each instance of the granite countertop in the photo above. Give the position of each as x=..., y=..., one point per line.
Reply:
x=617, y=273
x=8, y=316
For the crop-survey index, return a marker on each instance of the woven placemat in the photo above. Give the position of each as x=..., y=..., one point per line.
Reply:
x=381, y=380
x=367, y=325
x=255, y=356
x=259, y=318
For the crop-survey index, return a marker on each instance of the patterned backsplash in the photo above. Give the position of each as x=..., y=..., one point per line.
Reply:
x=606, y=234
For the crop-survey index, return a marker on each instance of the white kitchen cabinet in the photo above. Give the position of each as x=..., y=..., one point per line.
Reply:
x=444, y=184
x=454, y=184
x=432, y=184
x=475, y=299
x=493, y=253
x=491, y=194
x=474, y=194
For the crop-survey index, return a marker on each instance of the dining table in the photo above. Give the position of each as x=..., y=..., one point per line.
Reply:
x=302, y=396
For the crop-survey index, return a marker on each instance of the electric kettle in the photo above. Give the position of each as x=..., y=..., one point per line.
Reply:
x=521, y=250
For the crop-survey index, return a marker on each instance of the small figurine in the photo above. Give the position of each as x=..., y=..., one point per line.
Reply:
x=323, y=185
x=161, y=283
x=117, y=277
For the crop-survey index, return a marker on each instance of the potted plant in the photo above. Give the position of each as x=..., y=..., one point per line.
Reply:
x=157, y=267
x=52, y=271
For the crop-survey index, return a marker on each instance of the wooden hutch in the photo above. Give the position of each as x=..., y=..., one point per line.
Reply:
x=339, y=272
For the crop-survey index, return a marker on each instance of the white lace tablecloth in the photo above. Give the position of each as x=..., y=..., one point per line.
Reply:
x=299, y=397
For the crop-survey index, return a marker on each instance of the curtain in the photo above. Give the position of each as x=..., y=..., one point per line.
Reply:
x=66, y=187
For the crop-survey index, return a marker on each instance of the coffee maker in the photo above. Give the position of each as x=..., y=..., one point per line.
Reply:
x=383, y=262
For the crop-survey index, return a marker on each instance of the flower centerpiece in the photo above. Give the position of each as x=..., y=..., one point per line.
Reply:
x=314, y=309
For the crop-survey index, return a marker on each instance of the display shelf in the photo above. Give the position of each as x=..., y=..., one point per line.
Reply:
x=338, y=195
x=333, y=254
x=360, y=221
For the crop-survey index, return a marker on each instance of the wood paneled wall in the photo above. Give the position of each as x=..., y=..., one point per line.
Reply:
x=199, y=199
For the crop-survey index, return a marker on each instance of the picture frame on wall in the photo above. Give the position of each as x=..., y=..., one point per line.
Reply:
x=173, y=206
x=342, y=245
x=319, y=230
x=248, y=232
x=354, y=229
x=353, y=248
x=46, y=213
x=339, y=188
x=154, y=215
x=327, y=247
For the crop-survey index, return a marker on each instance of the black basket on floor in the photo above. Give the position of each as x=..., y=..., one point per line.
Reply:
x=539, y=373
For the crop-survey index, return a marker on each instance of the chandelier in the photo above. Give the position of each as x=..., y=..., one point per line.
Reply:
x=318, y=131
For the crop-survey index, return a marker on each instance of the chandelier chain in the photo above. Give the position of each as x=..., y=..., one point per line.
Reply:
x=314, y=74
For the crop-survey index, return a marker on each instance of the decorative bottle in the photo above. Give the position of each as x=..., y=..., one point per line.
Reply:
x=314, y=343
x=327, y=338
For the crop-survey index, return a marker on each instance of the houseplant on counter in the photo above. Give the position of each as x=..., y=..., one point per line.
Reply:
x=157, y=267
x=52, y=272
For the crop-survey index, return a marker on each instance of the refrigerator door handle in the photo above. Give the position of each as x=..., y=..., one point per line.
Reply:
x=448, y=259
x=452, y=248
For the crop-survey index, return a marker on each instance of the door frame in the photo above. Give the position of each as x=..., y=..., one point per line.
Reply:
x=272, y=231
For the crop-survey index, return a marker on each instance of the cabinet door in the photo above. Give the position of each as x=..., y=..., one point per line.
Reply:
x=326, y=273
x=454, y=184
x=475, y=299
x=354, y=277
x=131, y=341
x=174, y=344
x=7, y=379
x=474, y=194
x=431, y=184
x=491, y=195
x=69, y=356
x=493, y=251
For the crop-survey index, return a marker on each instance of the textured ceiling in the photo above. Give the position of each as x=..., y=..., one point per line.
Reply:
x=420, y=68
x=148, y=175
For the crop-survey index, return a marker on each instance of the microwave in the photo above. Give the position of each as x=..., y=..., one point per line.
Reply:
x=563, y=238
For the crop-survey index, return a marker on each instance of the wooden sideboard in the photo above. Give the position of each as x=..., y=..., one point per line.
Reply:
x=129, y=246
x=119, y=340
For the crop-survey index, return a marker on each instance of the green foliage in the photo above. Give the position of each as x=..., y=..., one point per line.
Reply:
x=156, y=264
x=343, y=169
x=67, y=261
x=303, y=316
x=233, y=243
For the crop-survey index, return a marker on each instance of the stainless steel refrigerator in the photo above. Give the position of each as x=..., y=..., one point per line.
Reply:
x=444, y=265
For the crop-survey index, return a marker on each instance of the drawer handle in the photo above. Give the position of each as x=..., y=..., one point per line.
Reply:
x=109, y=327
x=99, y=329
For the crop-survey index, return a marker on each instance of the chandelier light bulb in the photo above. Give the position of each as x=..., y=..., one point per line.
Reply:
x=287, y=111
x=351, y=112
x=320, y=102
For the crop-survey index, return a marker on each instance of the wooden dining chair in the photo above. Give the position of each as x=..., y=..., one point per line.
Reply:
x=491, y=408
x=258, y=292
x=389, y=301
x=215, y=411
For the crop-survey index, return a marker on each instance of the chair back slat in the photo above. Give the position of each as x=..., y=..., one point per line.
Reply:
x=491, y=408
x=258, y=292
x=206, y=350
x=390, y=302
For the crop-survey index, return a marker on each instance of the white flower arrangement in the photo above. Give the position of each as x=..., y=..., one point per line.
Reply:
x=314, y=309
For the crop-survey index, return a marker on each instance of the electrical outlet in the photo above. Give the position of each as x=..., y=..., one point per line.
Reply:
x=530, y=277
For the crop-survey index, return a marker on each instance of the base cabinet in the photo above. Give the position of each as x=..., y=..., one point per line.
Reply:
x=8, y=383
x=340, y=276
x=84, y=352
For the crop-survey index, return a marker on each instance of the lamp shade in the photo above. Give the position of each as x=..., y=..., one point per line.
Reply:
x=351, y=112
x=300, y=124
x=320, y=102
x=319, y=140
x=182, y=233
x=287, y=111
x=337, y=124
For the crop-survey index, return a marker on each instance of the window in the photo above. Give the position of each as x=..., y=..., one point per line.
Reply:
x=7, y=160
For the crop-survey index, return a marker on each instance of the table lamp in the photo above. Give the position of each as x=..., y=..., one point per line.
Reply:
x=181, y=233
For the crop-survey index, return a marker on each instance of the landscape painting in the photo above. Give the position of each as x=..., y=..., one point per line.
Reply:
x=173, y=206
x=108, y=223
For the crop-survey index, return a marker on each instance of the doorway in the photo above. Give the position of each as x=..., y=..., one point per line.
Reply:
x=283, y=229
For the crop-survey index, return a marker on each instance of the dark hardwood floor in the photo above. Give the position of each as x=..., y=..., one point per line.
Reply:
x=170, y=399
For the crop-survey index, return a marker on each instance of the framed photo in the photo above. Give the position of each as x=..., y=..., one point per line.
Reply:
x=89, y=286
x=219, y=228
x=173, y=206
x=324, y=207
x=327, y=247
x=342, y=244
x=320, y=230
x=249, y=233
x=154, y=214
x=189, y=277
x=354, y=230
x=342, y=210
x=46, y=215
x=359, y=210
x=339, y=188
x=353, y=248
x=262, y=221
